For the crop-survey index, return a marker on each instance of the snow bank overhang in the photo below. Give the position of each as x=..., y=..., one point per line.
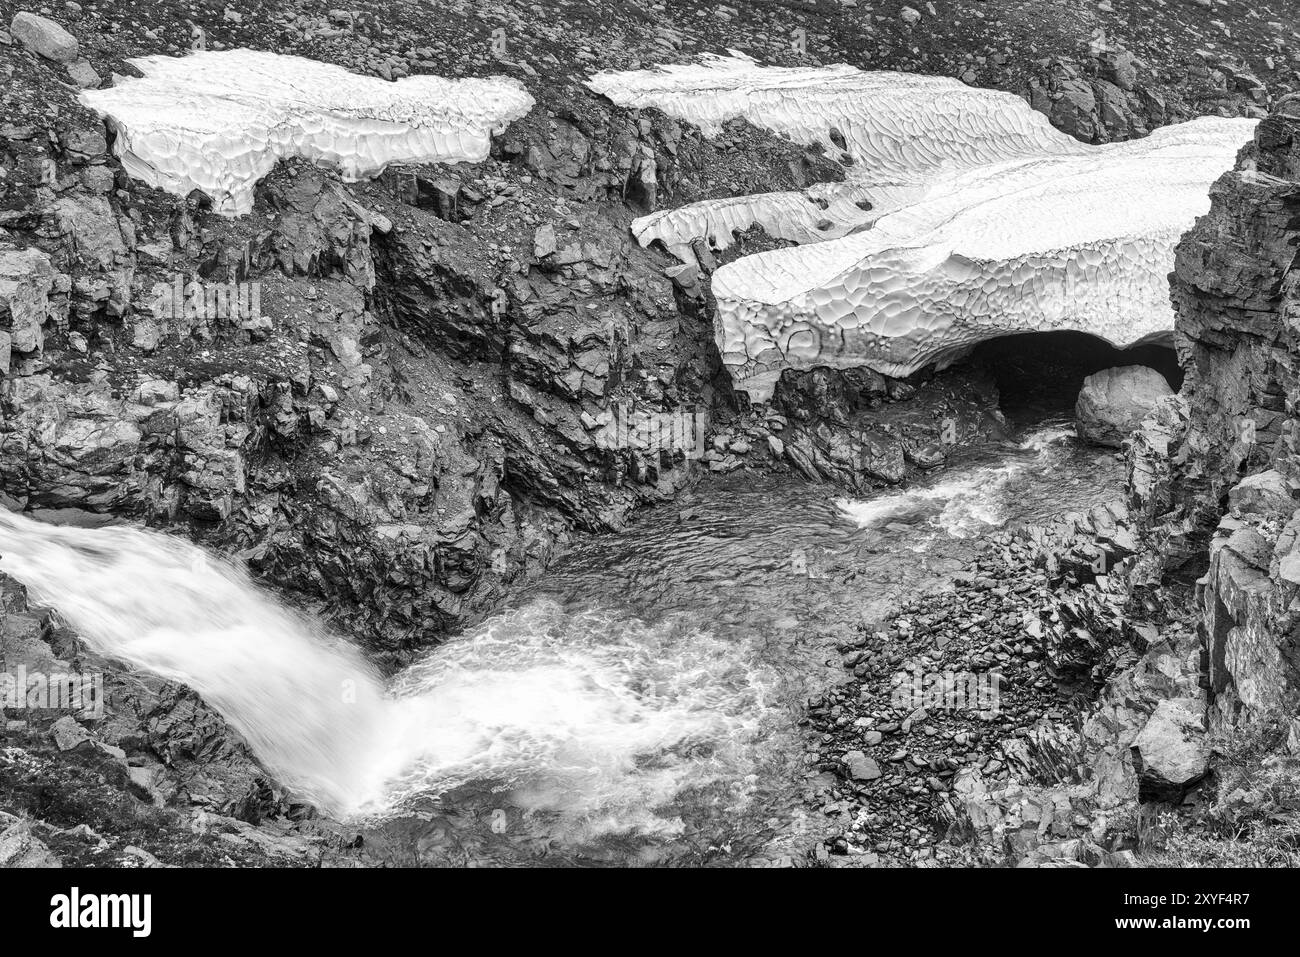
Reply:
x=985, y=220
x=218, y=121
x=1078, y=242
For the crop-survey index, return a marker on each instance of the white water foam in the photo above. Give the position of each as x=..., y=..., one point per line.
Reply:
x=964, y=506
x=590, y=714
x=602, y=720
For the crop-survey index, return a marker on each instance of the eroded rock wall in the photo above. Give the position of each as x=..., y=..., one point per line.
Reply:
x=1217, y=468
x=392, y=398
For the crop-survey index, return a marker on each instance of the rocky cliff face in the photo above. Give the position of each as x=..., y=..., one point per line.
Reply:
x=414, y=417
x=1222, y=501
x=414, y=409
x=1203, y=691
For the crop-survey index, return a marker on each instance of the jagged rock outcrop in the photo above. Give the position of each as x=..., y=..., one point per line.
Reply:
x=1109, y=97
x=857, y=428
x=391, y=398
x=1219, y=480
x=26, y=280
x=1212, y=483
x=150, y=451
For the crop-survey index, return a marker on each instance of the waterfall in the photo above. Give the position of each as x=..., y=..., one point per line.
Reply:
x=602, y=717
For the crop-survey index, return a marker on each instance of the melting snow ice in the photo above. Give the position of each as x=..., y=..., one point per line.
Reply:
x=984, y=219
x=219, y=121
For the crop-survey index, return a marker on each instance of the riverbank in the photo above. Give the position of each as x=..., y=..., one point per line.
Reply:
x=979, y=689
x=707, y=622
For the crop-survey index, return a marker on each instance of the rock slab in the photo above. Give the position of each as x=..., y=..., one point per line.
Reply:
x=44, y=37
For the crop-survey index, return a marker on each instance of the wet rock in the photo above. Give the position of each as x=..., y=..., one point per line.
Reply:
x=855, y=428
x=192, y=755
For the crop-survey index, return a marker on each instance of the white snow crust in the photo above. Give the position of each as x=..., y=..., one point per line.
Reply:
x=985, y=220
x=219, y=121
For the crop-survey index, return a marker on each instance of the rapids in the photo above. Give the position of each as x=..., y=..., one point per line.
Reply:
x=640, y=702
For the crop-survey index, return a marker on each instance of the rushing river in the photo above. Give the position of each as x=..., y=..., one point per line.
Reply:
x=638, y=704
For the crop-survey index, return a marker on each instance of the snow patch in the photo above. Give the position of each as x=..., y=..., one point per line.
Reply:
x=218, y=121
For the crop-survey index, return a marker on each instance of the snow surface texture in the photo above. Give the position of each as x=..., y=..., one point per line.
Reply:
x=897, y=132
x=1083, y=243
x=823, y=211
x=219, y=121
x=985, y=220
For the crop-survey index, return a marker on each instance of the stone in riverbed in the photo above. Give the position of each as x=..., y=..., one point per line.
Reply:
x=1113, y=402
x=861, y=767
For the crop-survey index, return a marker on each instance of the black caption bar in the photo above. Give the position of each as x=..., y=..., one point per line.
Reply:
x=140, y=908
